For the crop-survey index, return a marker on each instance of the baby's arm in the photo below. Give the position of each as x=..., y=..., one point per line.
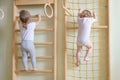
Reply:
x=79, y=14
x=39, y=19
x=94, y=15
x=19, y=22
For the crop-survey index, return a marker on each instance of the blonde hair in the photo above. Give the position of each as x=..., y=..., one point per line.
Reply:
x=24, y=18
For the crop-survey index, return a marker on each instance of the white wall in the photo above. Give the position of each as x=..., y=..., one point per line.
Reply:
x=6, y=41
x=115, y=39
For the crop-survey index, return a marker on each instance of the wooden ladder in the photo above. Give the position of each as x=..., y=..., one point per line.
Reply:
x=16, y=43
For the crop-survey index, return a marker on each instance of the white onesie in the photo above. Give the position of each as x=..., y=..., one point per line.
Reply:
x=84, y=29
x=27, y=34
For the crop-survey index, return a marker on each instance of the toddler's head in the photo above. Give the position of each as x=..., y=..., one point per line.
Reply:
x=85, y=13
x=24, y=17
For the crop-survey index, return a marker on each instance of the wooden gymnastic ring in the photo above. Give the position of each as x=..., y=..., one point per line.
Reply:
x=2, y=14
x=45, y=7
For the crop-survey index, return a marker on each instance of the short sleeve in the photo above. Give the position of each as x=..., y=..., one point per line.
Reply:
x=32, y=25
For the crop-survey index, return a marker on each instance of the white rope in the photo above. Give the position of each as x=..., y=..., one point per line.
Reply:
x=45, y=9
x=1, y=14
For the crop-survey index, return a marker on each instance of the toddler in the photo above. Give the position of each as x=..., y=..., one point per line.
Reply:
x=85, y=20
x=27, y=28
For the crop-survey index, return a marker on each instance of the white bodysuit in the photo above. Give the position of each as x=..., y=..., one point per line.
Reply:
x=27, y=34
x=84, y=29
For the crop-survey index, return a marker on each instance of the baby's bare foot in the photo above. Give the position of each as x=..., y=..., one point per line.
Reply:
x=25, y=69
x=86, y=59
x=77, y=63
x=34, y=69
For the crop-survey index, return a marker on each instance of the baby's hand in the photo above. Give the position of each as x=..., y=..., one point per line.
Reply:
x=39, y=15
x=39, y=19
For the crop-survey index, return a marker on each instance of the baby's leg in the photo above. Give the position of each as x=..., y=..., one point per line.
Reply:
x=24, y=55
x=89, y=51
x=33, y=56
x=25, y=59
x=78, y=55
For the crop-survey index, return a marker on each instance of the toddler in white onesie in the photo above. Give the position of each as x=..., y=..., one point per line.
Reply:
x=85, y=20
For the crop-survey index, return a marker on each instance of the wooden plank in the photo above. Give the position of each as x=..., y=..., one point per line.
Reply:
x=93, y=27
x=65, y=51
x=38, y=30
x=80, y=2
x=38, y=43
x=33, y=16
x=36, y=71
x=55, y=40
x=14, y=62
x=108, y=63
x=39, y=57
x=32, y=2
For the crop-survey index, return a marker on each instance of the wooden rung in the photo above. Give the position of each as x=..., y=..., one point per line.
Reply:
x=82, y=2
x=32, y=2
x=32, y=16
x=39, y=43
x=93, y=27
x=47, y=29
x=36, y=71
x=39, y=57
x=38, y=30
